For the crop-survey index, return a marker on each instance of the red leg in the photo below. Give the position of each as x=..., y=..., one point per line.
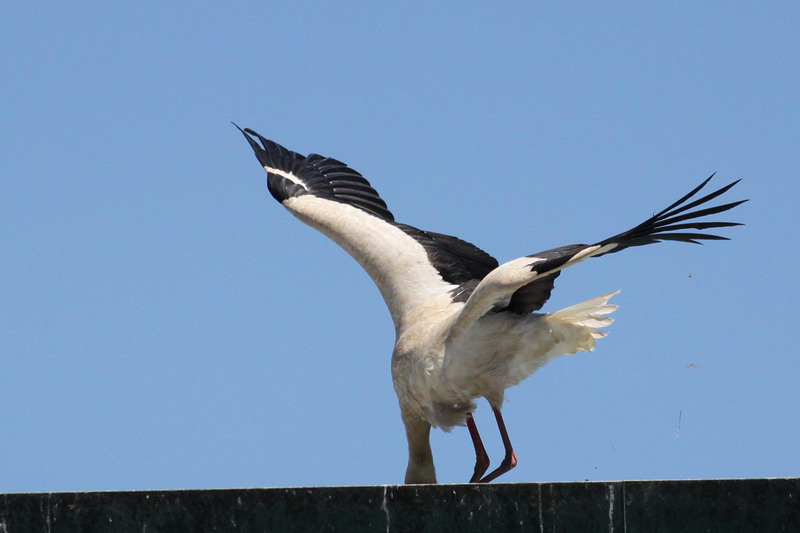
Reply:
x=481, y=458
x=510, y=460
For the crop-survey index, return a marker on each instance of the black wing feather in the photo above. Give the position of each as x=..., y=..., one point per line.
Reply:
x=663, y=226
x=321, y=176
x=457, y=261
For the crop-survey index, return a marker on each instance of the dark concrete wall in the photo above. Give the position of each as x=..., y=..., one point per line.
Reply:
x=751, y=505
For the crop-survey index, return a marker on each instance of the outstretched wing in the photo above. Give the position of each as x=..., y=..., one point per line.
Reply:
x=407, y=264
x=523, y=285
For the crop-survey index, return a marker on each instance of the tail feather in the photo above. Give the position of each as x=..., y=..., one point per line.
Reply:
x=590, y=314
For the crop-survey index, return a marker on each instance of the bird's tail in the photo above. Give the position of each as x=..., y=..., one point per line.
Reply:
x=590, y=314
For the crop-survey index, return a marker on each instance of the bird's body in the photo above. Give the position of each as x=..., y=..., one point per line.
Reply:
x=466, y=327
x=437, y=377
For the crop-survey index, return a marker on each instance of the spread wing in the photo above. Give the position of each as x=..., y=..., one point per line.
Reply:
x=523, y=285
x=407, y=264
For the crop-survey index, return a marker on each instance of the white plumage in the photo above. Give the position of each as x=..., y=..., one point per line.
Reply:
x=466, y=326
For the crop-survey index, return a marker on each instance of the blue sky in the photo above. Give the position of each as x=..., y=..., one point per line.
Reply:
x=166, y=324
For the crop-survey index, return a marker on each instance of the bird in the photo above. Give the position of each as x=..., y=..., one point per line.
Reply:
x=466, y=326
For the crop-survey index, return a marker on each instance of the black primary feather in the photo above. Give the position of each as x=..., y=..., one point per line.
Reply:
x=457, y=261
x=666, y=225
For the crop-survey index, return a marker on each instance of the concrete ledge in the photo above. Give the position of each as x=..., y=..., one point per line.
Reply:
x=747, y=505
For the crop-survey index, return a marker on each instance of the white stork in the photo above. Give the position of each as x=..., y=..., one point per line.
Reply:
x=465, y=325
